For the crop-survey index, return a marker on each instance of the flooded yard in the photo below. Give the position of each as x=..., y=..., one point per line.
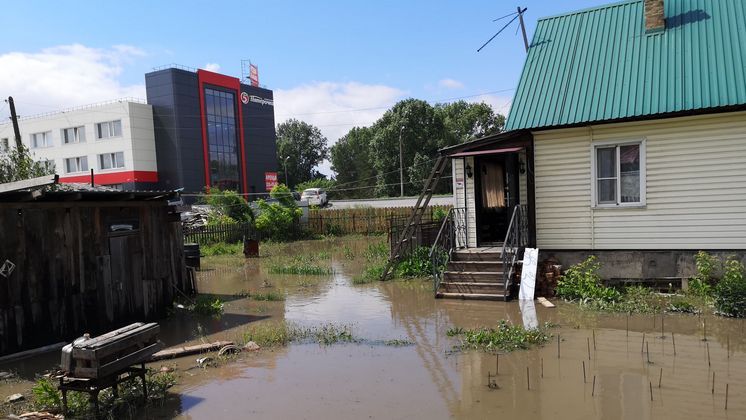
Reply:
x=403, y=364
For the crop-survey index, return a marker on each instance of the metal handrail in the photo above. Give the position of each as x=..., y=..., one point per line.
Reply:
x=450, y=236
x=515, y=242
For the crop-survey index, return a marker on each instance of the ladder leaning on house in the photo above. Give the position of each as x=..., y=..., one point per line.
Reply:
x=414, y=220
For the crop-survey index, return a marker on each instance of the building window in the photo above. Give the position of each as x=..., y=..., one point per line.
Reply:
x=111, y=160
x=222, y=139
x=41, y=140
x=76, y=164
x=73, y=135
x=109, y=129
x=619, y=174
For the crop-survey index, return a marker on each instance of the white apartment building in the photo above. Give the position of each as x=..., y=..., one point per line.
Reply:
x=116, y=139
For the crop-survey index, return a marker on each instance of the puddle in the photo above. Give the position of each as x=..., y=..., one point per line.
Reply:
x=426, y=380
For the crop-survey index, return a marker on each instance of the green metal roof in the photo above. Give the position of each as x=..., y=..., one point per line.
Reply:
x=599, y=64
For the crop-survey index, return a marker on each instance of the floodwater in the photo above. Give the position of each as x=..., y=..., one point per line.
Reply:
x=427, y=379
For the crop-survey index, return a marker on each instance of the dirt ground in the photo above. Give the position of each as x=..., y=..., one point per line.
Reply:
x=635, y=377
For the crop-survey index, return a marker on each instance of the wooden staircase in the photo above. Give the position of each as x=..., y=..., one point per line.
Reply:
x=475, y=273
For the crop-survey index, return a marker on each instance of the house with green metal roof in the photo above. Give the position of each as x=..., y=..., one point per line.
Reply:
x=626, y=139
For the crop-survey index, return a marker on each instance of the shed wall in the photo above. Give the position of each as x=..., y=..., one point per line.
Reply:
x=695, y=186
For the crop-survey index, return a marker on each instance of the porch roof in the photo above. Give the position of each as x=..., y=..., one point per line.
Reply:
x=506, y=139
x=488, y=152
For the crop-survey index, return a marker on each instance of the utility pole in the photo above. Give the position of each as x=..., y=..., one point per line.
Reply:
x=14, y=118
x=523, y=27
x=287, y=184
x=401, y=163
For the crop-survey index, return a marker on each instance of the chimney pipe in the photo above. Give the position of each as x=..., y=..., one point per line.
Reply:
x=655, y=18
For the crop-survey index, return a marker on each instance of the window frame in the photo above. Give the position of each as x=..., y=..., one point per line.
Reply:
x=78, y=134
x=78, y=159
x=595, y=145
x=110, y=124
x=113, y=160
x=48, y=140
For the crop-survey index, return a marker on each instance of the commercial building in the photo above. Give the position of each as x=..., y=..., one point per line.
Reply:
x=212, y=131
x=198, y=130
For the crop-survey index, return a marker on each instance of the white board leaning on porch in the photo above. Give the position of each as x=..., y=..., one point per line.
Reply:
x=528, y=273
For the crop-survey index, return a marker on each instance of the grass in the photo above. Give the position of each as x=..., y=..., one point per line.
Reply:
x=398, y=342
x=280, y=334
x=221, y=248
x=204, y=305
x=505, y=337
x=46, y=397
x=308, y=265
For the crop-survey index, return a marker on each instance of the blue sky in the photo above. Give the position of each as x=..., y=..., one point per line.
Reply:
x=351, y=59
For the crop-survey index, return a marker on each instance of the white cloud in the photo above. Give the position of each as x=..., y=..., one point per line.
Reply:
x=66, y=76
x=335, y=108
x=212, y=67
x=500, y=104
x=450, y=84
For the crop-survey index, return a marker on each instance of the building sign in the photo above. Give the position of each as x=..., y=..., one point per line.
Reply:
x=261, y=101
x=270, y=180
x=254, y=75
x=244, y=98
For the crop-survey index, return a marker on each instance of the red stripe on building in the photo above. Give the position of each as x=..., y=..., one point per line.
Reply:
x=114, y=177
x=207, y=77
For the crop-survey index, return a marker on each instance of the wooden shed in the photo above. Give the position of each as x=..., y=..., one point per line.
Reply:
x=78, y=259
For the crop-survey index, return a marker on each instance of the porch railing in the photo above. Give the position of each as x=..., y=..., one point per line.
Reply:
x=516, y=240
x=451, y=235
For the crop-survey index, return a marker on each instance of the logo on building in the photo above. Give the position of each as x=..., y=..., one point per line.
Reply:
x=244, y=98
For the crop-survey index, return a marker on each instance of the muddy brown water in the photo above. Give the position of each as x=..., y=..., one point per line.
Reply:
x=427, y=380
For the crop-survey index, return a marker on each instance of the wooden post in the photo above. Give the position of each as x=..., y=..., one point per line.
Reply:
x=593, y=388
x=713, y=383
x=583, y=371
x=588, y=340
x=673, y=337
x=660, y=378
x=558, y=346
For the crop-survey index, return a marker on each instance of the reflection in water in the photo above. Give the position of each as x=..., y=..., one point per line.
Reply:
x=427, y=380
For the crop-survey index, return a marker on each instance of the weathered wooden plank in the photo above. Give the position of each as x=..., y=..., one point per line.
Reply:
x=175, y=352
x=118, y=364
x=33, y=352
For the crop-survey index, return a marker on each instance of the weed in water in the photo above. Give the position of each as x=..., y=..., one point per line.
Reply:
x=206, y=305
x=506, y=337
x=730, y=292
x=282, y=333
x=301, y=265
x=348, y=253
x=270, y=296
x=398, y=342
x=221, y=248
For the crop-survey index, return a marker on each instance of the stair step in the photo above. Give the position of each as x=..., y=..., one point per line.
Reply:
x=475, y=296
x=476, y=266
x=471, y=288
x=477, y=256
x=474, y=276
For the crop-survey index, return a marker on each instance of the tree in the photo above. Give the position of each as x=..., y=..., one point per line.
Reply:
x=228, y=207
x=304, y=147
x=351, y=160
x=17, y=164
x=422, y=131
x=465, y=121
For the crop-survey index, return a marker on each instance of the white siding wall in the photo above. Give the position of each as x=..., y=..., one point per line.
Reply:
x=471, y=207
x=459, y=186
x=696, y=186
x=523, y=179
x=137, y=141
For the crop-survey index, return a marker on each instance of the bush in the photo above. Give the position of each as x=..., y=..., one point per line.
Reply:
x=277, y=221
x=323, y=183
x=228, y=207
x=506, y=337
x=582, y=282
x=439, y=214
x=730, y=292
x=701, y=284
x=416, y=264
x=221, y=248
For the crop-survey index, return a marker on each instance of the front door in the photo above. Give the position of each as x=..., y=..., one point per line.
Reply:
x=496, y=190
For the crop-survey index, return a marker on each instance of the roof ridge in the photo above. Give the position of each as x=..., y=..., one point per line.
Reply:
x=590, y=9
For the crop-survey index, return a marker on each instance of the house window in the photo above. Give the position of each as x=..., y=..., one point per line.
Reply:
x=109, y=129
x=76, y=164
x=73, y=135
x=41, y=139
x=619, y=174
x=111, y=160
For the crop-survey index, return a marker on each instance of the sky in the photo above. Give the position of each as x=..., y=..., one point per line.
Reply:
x=334, y=64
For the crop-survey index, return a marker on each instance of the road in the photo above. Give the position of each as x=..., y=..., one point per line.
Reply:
x=388, y=202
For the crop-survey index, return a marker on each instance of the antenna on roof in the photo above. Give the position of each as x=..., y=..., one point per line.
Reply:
x=516, y=15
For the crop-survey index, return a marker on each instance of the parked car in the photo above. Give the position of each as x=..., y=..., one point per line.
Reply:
x=315, y=197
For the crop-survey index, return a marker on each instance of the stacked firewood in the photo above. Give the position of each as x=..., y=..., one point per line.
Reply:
x=548, y=274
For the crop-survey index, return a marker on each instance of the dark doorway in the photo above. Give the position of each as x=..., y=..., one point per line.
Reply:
x=496, y=188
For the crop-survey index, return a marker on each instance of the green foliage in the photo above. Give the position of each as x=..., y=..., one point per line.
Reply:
x=582, y=282
x=416, y=264
x=371, y=273
x=304, y=146
x=228, y=207
x=398, y=342
x=466, y=121
x=279, y=334
x=701, y=284
x=206, y=305
x=439, y=213
x=376, y=250
x=506, y=337
x=221, y=248
x=351, y=161
x=17, y=164
x=301, y=265
x=730, y=292
x=271, y=296
x=323, y=183
x=278, y=221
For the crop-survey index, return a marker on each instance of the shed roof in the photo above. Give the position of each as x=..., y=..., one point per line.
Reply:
x=599, y=64
x=46, y=189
